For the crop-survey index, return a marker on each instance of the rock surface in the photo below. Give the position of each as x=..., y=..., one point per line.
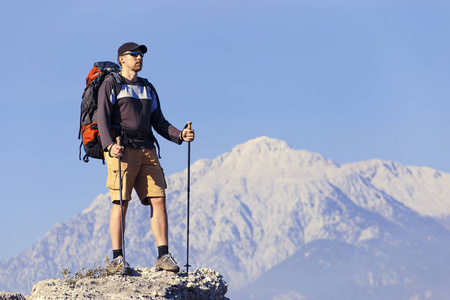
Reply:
x=143, y=283
x=11, y=296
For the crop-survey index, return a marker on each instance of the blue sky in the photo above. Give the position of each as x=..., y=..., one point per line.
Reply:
x=352, y=80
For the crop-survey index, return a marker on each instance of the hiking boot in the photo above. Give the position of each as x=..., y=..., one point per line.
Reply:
x=168, y=263
x=116, y=266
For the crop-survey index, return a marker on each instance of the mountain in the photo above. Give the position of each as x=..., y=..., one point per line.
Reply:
x=279, y=223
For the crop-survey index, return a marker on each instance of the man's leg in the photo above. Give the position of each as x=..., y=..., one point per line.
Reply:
x=115, y=225
x=160, y=229
x=158, y=221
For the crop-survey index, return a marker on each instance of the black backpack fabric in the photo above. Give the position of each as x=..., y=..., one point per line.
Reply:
x=88, y=132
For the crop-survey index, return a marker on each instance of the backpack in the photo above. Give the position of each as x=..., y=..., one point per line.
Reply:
x=88, y=132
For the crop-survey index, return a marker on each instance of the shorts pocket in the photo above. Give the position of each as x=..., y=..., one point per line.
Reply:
x=113, y=180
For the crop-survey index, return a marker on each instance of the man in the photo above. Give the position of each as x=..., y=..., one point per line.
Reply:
x=130, y=109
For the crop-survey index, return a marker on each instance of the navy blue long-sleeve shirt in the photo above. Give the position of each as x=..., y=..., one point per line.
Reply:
x=134, y=109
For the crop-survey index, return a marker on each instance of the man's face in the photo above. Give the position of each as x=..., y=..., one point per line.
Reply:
x=132, y=60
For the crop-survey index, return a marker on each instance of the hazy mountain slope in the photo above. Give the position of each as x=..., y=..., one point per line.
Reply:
x=336, y=270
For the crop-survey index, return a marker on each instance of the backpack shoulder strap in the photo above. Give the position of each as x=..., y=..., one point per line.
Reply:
x=117, y=77
x=118, y=82
x=151, y=89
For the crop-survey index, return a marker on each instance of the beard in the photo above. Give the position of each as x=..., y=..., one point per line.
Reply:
x=137, y=67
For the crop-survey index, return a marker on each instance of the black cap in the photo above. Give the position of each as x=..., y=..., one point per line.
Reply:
x=131, y=47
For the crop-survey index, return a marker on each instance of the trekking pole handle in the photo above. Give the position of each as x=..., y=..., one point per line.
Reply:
x=118, y=139
x=189, y=125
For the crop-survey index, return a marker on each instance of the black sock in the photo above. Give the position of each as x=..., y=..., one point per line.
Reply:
x=163, y=250
x=117, y=253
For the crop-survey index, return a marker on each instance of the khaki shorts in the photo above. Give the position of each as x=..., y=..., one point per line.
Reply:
x=140, y=170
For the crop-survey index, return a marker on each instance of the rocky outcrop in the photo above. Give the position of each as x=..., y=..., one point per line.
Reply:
x=143, y=283
x=11, y=296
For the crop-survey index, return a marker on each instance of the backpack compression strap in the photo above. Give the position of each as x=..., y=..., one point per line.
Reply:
x=151, y=88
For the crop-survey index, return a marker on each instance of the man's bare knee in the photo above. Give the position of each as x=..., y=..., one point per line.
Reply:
x=156, y=201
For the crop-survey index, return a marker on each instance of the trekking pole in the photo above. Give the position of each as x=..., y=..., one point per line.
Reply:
x=121, y=208
x=188, y=201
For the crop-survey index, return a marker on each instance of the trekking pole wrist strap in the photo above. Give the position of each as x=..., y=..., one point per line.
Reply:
x=109, y=151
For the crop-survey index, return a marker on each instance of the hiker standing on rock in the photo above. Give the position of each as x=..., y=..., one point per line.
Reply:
x=130, y=110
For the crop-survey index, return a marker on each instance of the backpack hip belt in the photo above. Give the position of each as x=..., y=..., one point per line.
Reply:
x=141, y=136
x=136, y=135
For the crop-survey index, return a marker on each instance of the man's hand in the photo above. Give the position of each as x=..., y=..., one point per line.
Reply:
x=187, y=135
x=115, y=150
